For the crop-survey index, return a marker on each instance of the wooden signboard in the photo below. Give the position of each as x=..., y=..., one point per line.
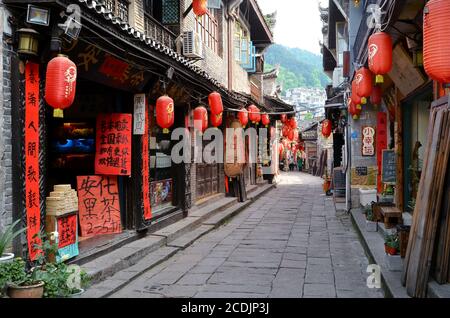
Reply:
x=32, y=195
x=368, y=141
x=113, y=144
x=389, y=167
x=98, y=204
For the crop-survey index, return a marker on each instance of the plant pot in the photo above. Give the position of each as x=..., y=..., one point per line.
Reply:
x=32, y=291
x=371, y=226
x=7, y=258
x=78, y=294
x=390, y=250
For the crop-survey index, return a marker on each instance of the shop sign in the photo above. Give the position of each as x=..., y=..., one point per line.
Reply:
x=146, y=167
x=98, y=205
x=113, y=144
x=67, y=229
x=368, y=141
x=139, y=114
x=32, y=194
x=389, y=167
x=361, y=171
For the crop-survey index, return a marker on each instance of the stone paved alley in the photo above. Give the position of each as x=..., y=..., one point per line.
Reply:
x=289, y=243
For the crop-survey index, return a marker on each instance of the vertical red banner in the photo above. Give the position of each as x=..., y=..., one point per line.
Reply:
x=32, y=194
x=381, y=145
x=146, y=168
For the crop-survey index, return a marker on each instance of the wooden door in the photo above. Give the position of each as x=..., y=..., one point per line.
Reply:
x=207, y=180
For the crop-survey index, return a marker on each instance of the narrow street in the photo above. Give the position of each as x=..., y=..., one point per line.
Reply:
x=290, y=243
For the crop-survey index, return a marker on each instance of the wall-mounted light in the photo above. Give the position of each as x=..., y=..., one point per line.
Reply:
x=356, y=3
x=36, y=15
x=28, y=41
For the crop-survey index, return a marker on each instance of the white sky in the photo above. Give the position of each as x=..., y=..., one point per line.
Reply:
x=298, y=22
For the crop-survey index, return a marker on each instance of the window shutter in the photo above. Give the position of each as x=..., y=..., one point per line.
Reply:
x=170, y=11
x=214, y=4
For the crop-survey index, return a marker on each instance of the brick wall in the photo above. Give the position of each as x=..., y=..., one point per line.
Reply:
x=240, y=79
x=5, y=129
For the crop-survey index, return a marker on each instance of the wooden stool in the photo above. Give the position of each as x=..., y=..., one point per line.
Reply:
x=392, y=216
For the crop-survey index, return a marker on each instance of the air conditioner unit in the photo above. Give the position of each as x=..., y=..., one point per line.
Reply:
x=338, y=76
x=192, y=45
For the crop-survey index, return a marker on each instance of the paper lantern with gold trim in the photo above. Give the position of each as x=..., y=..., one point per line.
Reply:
x=165, y=116
x=243, y=117
x=364, y=84
x=200, y=118
x=265, y=119
x=380, y=55
x=200, y=7
x=326, y=128
x=215, y=103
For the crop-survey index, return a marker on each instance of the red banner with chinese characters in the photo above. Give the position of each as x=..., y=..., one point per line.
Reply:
x=381, y=145
x=113, y=144
x=146, y=169
x=98, y=205
x=67, y=230
x=32, y=157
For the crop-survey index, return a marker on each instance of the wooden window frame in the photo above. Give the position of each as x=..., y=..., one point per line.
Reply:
x=207, y=27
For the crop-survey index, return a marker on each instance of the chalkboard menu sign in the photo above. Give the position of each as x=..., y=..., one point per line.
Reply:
x=361, y=171
x=389, y=167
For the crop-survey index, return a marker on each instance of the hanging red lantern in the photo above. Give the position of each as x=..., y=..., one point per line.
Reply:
x=375, y=97
x=165, y=116
x=200, y=7
x=60, y=83
x=356, y=99
x=296, y=137
x=216, y=120
x=285, y=130
x=200, y=118
x=436, y=47
x=215, y=103
x=243, y=117
x=326, y=128
x=283, y=118
x=380, y=55
x=291, y=135
x=353, y=110
x=253, y=114
x=364, y=83
x=265, y=119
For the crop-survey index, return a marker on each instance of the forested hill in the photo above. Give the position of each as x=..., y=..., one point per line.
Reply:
x=298, y=68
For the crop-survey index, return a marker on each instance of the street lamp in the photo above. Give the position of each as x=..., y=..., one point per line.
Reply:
x=28, y=41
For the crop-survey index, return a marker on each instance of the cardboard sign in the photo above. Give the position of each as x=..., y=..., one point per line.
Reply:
x=32, y=194
x=98, y=204
x=139, y=114
x=368, y=141
x=113, y=144
x=146, y=168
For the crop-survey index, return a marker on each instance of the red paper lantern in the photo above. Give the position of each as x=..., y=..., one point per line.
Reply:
x=285, y=130
x=200, y=118
x=356, y=99
x=253, y=114
x=200, y=7
x=283, y=118
x=291, y=135
x=364, y=84
x=60, y=82
x=326, y=128
x=215, y=103
x=296, y=138
x=380, y=54
x=243, y=117
x=376, y=96
x=436, y=46
x=216, y=120
x=265, y=120
x=165, y=116
x=353, y=110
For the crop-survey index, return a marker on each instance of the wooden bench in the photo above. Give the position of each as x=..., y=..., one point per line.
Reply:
x=391, y=215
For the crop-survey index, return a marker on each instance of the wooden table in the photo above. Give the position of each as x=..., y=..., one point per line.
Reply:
x=391, y=215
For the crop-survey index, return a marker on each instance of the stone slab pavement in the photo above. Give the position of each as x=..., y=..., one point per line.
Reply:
x=290, y=243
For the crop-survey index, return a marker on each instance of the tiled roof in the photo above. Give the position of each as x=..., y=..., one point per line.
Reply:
x=154, y=45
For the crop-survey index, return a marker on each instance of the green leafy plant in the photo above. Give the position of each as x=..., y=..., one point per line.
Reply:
x=389, y=190
x=392, y=240
x=368, y=211
x=12, y=273
x=8, y=236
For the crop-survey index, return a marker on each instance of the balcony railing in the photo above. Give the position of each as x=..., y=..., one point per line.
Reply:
x=158, y=32
x=118, y=8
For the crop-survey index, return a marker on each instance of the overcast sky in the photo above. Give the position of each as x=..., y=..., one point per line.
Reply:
x=298, y=22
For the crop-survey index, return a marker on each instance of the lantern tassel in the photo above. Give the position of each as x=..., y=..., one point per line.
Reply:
x=165, y=131
x=379, y=79
x=363, y=100
x=58, y=113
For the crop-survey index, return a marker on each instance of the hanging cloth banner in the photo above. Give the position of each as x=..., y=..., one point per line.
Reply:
x=146, y=168
x=32, y=193
x=113, y=144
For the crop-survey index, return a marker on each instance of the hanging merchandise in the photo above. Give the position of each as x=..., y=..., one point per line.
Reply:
x=253, y=114
x=200, y=7
x=165, y=113
x=216, y=120
x=356, y=99
x=376, y=96
x=200, y=118
x=436, y=47
x=326, y=128
x=364, y=84
x=60, y=83
x=265, y=119
x=283, y=118
x=215, y=103
x=285, y=130
x=291, y=134
x=243, y=117
x=380, y=55
x=293, y=123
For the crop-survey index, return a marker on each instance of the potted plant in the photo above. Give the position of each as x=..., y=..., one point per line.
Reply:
x=391, y=244
x=371, y=223
x=6, y=239
x=16, y=282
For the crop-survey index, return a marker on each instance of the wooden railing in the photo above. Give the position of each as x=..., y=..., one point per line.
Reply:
x=155, y=30
x=119, y=8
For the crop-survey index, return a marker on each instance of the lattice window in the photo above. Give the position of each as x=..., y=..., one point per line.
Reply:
x=207, y=27
x=118, y=8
